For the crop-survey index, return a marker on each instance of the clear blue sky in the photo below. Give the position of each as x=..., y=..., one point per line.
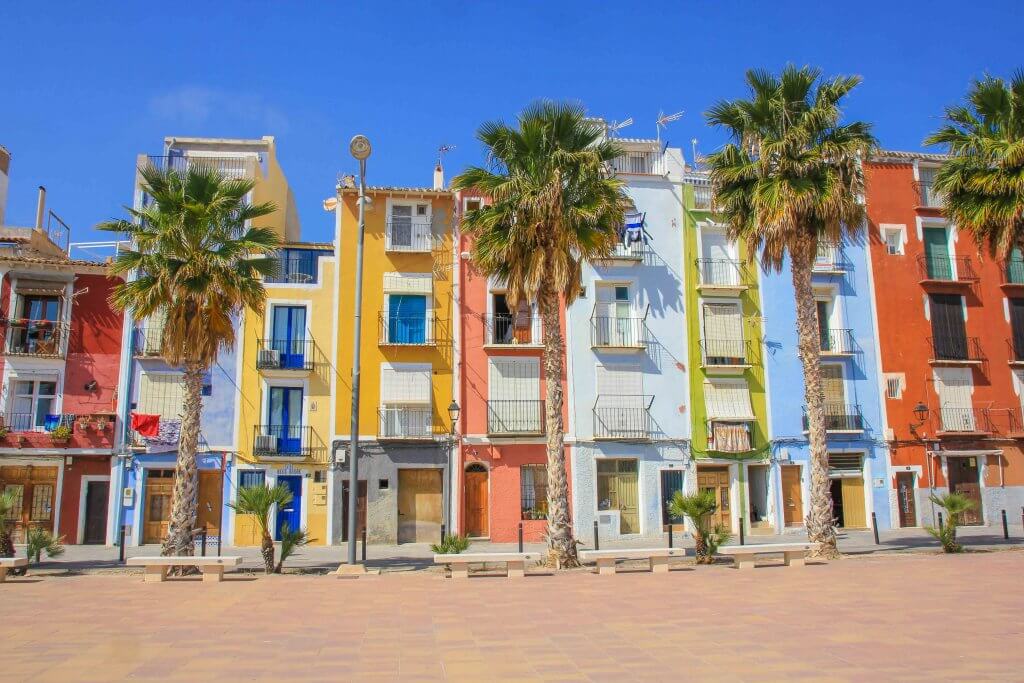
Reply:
x=87, y=86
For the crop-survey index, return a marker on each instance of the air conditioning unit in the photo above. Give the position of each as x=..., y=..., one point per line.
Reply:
x=265, y=443
x=270, y=358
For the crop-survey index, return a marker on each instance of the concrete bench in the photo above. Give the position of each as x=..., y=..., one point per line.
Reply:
x=211, y=566
x=11, y=563
x=794, y=554
x=515, y=563
x=606, y=559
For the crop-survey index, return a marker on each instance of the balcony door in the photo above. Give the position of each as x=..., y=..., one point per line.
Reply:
x=718, y=267
x=936, y=252
x=948, y=328
x=620, y=411
x=723, y=334
x=1017, y=325
x=954, y=387
x=407, y=318
x=514, y=396
x=285, y=418
x=615, y=325
x=832, y=386
x=33, y=405
x=39, y=334
x=289, y=335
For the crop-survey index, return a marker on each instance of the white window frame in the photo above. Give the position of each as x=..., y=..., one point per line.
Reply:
x=898, y=230
x=36, y=378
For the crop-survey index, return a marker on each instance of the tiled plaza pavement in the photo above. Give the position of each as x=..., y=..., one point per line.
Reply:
x=916, y=617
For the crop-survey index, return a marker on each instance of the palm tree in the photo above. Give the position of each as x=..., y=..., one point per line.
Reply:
x=981, y=185
x=955, y=505
x=698, y=508
x=554, y=204
x=259, y=501
x=789, y=180
x=197, y=263
x=7, y=502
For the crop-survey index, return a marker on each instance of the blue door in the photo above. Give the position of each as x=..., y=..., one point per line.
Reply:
x=290, y=514
x=285, y=419
x=289, y=335
x=407, y=319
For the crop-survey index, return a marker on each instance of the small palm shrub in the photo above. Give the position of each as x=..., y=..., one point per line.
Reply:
x=698, y=508
x=290, y=542
x=42, y=541
x=7, y=501
x=451, y=545
x=955, y=504
x=258, y=501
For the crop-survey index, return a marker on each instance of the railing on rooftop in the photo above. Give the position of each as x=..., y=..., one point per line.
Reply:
x=640, y=162
x=58, y=231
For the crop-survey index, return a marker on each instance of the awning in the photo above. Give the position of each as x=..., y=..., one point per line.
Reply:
x=728, y=400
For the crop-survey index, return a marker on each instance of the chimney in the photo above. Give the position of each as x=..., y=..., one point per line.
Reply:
x=5, y=172
x=438, y=177
x=40, y=207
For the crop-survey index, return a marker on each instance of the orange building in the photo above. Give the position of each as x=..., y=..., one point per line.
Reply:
x=951, y=336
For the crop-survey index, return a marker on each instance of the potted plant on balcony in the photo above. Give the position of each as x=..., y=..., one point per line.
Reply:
x=4, y=431
x=83, y=423
x=101, y=423
x=60, y=435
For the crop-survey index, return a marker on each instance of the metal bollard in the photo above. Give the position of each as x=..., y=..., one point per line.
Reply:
x=597, y=541
x=1006, y=528
x=874, y=527
x=940, y=520
x=442, y=533
x=120, y=542
x=670, y=535
x=202, y=547
x=741, y=531
x=520, y=537
x=364, y=545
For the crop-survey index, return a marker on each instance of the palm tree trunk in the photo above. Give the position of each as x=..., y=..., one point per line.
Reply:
x=184, y=502
x=820, y=523
x=267, y=550
x=561, y=544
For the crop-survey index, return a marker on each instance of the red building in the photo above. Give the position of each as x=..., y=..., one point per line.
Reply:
x=951, y=335
x=502, y=477
x=60, y=360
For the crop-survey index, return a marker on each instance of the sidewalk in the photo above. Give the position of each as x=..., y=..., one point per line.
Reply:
x=418, y=556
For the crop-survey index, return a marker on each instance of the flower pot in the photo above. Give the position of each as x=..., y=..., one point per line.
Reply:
x=60, y=442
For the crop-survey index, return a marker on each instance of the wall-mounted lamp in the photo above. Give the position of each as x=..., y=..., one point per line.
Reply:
x=921, y=413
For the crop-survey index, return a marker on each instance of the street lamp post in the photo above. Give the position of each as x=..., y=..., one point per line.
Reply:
x=453, y=413
x=360, y=149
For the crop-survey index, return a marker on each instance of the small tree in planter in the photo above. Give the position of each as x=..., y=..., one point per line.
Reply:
x=258, y=502
x=698, y=508
x=955, y=504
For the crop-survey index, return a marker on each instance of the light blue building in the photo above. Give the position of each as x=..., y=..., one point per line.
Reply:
x=858, y=458
x=628, y=388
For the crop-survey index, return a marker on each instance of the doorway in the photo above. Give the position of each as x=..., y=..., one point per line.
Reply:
x=757, y=490
x=476, y=501
x=285, y=419
x=617, y=490
x=671, y=482
x=34, y=489
x=792, y=496
x=905, y=499
x=717, y=479
x=211, y=497
x=360, y=507
x=289, y=336
x=848, y=503
x=289, y=516
x=964, y=479
x=419, y=505
x=157, y=510
x=94, y=528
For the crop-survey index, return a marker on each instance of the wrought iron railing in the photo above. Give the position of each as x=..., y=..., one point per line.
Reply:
x=609, y=331
x=41, y=338
x=284, y=354
x=284, y=440
x=946, y=268
x=33, y=422
x=715, y=272
x=405, y=422
x=515, y=417
x=295, y=270
x=955, y=348
x=1004, y=421
x=840, y=417
x=634, y=251
x=626, y=417
x=1013, y=272
x=414, y=235
x=725, y=352
x=407, y=330
x=830, y=258
x=148, y=341
x=928, y=194
x=960, y=419
x=513, y=328
x=837, y=342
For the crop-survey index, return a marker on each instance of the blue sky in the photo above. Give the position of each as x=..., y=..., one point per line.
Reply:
x=88, y=86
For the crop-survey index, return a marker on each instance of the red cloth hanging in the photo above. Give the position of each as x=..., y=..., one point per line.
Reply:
x=146, y=425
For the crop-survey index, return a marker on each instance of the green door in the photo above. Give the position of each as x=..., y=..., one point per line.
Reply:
x=936, y=252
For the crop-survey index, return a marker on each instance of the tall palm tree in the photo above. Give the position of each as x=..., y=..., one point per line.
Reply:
x=982, y=184
x=554, y=204
x=789, y=180
x=197, y=263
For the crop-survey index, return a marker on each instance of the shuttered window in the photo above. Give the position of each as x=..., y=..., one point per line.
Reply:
x=832, y=384
x=408, y=283
x=514, y=379
x=161, y=394
x=728, y=399
x=722, y=322
x=405, y=384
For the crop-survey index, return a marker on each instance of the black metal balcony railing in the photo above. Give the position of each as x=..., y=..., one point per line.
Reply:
x=232, y=167
x=840, y=417
x=1014, y=271
x=295, y=270
x=409, y=234
x=615, y=332
x=285, y=440
x=513, y=328
x=837, y=342
x=147, y=341
x=32, y=422
x=960, y=419
x=626, y=417
x=284, y=354
x=725, y=352
x=43, y=338
x=956, y=349
x=1004, y=421
x=716, y=272
x=515, y=417
x=407, y=330
x=946, y=268
x=405, y=422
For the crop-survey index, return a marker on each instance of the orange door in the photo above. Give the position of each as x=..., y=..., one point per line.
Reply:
x=476, y=503
x=792, y=496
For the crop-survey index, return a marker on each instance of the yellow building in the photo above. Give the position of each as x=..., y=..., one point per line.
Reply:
x=406, y=361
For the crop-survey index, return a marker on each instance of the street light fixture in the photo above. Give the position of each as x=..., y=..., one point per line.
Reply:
x=453, y=413
x=921, y=413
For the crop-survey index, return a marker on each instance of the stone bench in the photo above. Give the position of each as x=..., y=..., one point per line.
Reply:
x=11, y=563
x=211, y=566
x=794, y=554
x=515, y=563
x=606, y=559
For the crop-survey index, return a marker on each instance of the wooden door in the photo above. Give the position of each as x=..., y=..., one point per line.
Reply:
x=476, y=506
x=905, y=499
x=419, y=505
x=717, y=479
x=963, y=479
x=97, y=495
x=157, y=508
x=211, y=495
x=1017, y=326
x=936, y=249
x=360, y=508
x=949, y=332
x=34, y=491
x=792, y=496
x=854, y=512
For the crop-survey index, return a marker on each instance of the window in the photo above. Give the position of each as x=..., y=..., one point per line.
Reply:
x=938, y=263
x=1016, y=307
x=37, y=332
x=297, y=266
x=34, y=404
x=893, y=238
x=718, y=266
x=514, y=404
x=409, y=228
x=929, y=197
x=508, y=327
x=288, y=336
x=949, y=331
x=617, y=490
x=407, y=319
x=161, y=394
x=621, y=408
x=284, y=419
x=533, y=491
x=728, y=399
x=405, y=396
x=894, y=385
x=954, y=387
x=40, y=307
x=251, y=478
x=473, y=205
x=614, y=324
x=723, y=334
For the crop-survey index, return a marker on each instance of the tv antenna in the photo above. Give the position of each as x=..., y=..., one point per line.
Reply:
x=441, y=151
x=665, y=119
x=616, y=126
x=693, y=144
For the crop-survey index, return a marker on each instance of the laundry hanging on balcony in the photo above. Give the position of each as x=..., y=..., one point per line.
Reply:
x=632, y=230
x=166, y=438
x=146, y=425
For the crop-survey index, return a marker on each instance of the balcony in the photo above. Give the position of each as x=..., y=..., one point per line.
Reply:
x=623, y=417
x=634, y=252
x=703, y=195
x=286, y=355
x=36, y=338
x=409, y=235
x=837, y=342
x=87, y=430
x=840, y=418
x=407, y=330
x=927, y=194
x=955, y=350
x=830, y=259
x=1015, y=353
x=961, y=421
x=295, y=270
x=722, y=275
x=640, y=162
x=229, y=167
x=406, y=423
x=1003, y=422
x=615, y=333
x=1013, y=273
x=946, y=270
x=725, y=354
x=513, y=329
x=287, y=441
x=515, y=418
x=147, y=341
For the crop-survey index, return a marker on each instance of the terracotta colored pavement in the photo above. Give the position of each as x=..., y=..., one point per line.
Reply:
x=908, y=617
